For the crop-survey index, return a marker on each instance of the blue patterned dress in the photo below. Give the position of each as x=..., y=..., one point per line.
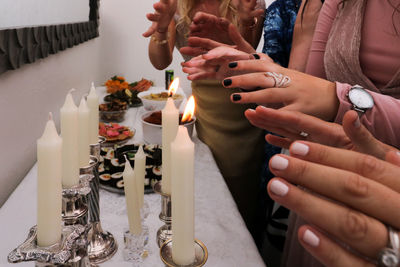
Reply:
x=279, y=22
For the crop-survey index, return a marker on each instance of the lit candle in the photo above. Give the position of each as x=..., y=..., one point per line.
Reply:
x=83, y=137
x=69, y=134
x=140, y=171
x=170, y=122
x=132, y=200
x=93, y=104
x=182, y=198
x=49, y=191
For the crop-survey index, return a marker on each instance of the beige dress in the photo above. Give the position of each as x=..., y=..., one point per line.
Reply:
x=237, y=146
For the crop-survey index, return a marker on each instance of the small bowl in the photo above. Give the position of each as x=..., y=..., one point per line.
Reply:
x=152, y=133
x=112, y=116
x=151, y=104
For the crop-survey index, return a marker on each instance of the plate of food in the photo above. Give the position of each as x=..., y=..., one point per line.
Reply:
x=115, y=133
x=119, y=88
x=112, y=164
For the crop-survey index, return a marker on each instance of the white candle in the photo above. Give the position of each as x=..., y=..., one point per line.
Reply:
x=170, y=122
x=69, y=133
x=182, y=198
x=140, y=171
x=93, y=104
x=83, y=137
x=132, y=200
x=49, y=162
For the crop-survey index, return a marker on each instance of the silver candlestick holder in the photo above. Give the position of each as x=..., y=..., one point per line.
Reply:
x=75, y=202
x=70, y=251
x=200, y=254
x=164, y=232
x=102, y=244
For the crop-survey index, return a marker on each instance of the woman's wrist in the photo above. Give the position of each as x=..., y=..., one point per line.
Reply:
x=160, y=38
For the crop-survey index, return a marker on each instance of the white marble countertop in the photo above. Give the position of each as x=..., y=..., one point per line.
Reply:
x=217, y=220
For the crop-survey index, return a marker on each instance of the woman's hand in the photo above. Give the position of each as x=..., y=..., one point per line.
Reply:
x=161, y=18
x=209, y=26
x=302, y=92
x=214, y=64
x=213, y=32
x=291, y=124
x=349, y=200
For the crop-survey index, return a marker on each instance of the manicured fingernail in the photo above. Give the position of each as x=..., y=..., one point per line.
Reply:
x=256, y=56
x=236, y=97
x=279, y=163
x=227, y=82
x=357, y=123
x=299, y=149
x=310, y=238
x=278, y=188
x=232, y=65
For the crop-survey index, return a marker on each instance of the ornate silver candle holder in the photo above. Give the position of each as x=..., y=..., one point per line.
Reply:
x=75, y=202
x=135, y=249
x=102, y=244
x=200, y=254
x=70, y=251
x=164, y=232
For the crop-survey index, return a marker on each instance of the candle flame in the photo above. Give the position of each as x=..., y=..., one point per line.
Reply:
x=189, y=110
x=50, y=116
x=173, y=87
x=71, y=91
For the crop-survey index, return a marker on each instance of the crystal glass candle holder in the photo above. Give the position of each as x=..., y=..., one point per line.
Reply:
x=135, y=249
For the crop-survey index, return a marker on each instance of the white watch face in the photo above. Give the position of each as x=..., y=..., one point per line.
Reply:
x=361, y=98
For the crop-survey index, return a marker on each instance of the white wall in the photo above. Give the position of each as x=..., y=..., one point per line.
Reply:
x=28, y=94
x=41, y=12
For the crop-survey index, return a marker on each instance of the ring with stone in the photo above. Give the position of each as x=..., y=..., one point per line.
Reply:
x=303, y=134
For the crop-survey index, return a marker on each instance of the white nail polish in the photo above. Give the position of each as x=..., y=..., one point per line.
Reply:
x=310, y=238
x=299, y=149
x=279, y=163
x=357, y=122
x=279, y=188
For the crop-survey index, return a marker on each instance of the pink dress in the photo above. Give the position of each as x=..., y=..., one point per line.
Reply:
x=368, y=54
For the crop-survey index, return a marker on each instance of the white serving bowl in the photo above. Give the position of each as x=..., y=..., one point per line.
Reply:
x=150, y=104
x=152, y=133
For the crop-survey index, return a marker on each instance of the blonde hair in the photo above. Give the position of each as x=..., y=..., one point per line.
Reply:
x=186, y=7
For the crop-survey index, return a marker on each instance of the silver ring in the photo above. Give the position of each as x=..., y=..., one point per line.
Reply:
x=390, y=256
x=303, y=134
x=279, y=79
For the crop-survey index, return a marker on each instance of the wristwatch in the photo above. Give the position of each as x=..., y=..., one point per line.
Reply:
x=360, y=99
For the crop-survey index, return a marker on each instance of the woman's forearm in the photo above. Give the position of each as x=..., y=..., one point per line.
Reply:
x=161, y=47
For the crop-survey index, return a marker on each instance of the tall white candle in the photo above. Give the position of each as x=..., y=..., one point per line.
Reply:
x=182, y=198
x=83, y=137
x=93, y=104
x=49, y=164
x=140, y=171
x=69, y=133
x=132, y=200
x=170, y=122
